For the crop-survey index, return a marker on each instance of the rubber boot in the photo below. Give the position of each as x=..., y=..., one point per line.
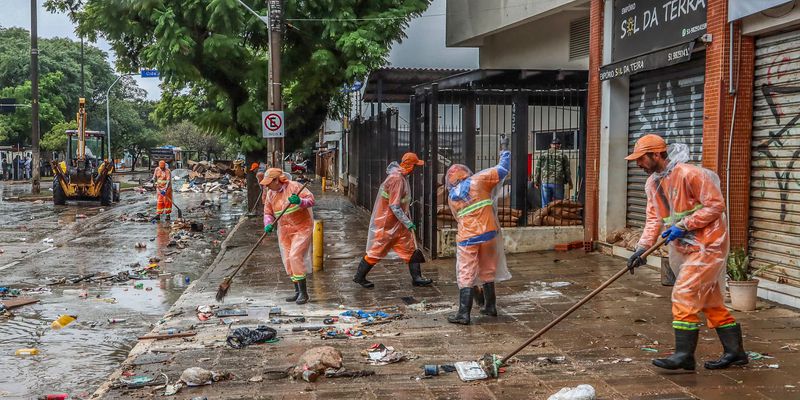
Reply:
x=683, y=358
x=361, y=275
x=416, y=275
x=169, y=217
x=464, y=307
x=296, y=293
x=157, y=217
x=302, y=293
x=477, y=294
x=490, y=300
x=734, y=354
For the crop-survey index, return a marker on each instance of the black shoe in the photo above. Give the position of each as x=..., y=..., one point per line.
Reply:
x=168, y=217
x=464, y=307
x=683, y=358
x=477, y=294
x=416, y=275
x=734, y=354
x=361, y=275
x=296, y=293
x=302, y=295
x=490, y=300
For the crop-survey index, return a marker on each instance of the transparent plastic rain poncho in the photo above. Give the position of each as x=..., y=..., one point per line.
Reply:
x=389, y=235
x=295, y=228
x=480, y=256
x=689, y=196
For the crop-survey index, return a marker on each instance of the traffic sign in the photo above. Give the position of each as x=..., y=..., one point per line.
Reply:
x=272, y=124
x=150, y=73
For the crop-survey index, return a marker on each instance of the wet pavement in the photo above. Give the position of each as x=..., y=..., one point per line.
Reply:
x=41, y=243
x=609, y=343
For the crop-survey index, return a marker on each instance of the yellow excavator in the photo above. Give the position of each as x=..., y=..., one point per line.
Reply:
x=85, y=174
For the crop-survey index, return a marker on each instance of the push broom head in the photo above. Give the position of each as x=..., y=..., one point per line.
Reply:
x=490, y=363
x=222, y=290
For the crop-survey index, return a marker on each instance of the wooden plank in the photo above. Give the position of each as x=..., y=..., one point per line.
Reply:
x=165, y=336
x=18, y=302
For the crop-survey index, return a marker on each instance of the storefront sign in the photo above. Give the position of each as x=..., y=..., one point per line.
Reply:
x=647, y=62
x=643, y=26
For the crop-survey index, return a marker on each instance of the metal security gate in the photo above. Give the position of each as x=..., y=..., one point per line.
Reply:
x=775, y=163
x=668, y=102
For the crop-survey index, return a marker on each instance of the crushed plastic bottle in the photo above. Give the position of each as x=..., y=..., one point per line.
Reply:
x=27, y=352
x=63, y=321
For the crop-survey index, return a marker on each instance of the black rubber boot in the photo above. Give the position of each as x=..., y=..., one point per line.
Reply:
x=734, y=354
x=361, y=275
x=169, y=217
x=489, y=299
x=302, y=295
x=416, y=275
x=296, y=293
x=683, y=358
x=477, y=294
x=464, y=307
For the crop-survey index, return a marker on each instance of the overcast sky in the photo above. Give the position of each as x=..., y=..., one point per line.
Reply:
x=424, y=47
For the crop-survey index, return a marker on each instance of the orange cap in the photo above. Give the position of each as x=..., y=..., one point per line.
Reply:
x=410, y=160
x=273, y=173
x=650, y=143
x=254, y=166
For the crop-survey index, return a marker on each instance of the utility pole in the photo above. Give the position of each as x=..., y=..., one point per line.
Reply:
x=34, y=100
x=275, y=146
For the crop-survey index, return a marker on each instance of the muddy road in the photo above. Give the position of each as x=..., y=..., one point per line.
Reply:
x=42, y=244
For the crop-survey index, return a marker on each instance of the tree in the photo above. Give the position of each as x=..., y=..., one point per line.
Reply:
x=189, y=136
x=56, y=138
x=219, y=50
x=133, y=131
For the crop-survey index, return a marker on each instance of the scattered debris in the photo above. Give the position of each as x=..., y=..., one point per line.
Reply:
x=140, y=245
x=379, y=354
x=342, y=373
x=580, y=392
x=231, y=313
x=26, y=352
x=649, y=350
x=470, y=371
x=63, y=321
x=243, y=337
x=316, y=361
x=196, y=376
x=758, y=356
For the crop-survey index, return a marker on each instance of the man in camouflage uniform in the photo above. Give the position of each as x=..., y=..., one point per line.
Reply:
x=552, y=172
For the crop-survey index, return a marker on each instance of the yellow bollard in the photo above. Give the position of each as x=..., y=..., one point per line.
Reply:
x=323, y=183
x=318, y=246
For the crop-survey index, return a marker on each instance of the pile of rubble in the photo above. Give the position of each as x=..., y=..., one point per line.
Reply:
x=629, y=237
x=219, y=176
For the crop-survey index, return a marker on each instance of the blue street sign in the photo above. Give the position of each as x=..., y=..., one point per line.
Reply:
x=354, y=88
x=150, y=73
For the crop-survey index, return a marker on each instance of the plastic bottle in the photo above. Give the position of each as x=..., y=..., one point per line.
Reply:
x=27, y=352
x=55, y=396
x=116, y=320
x=63, y=321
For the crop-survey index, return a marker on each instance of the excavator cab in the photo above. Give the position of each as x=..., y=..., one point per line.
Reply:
x=85, y=174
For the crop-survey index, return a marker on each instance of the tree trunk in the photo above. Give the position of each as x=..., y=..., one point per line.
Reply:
x=253, y=189
x=135, y=157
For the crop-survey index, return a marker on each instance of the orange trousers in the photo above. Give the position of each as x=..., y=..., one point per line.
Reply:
x=164, y=203
x=295, y=243
x=477, y=262
x=697, y=290
x=402, y=242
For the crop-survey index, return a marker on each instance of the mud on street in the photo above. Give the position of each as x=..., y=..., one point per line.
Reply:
x=82, y=260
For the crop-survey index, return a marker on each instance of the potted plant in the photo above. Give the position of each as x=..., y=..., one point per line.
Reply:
x=743, y=287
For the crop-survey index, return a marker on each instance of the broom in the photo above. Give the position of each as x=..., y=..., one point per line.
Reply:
x=223, y=288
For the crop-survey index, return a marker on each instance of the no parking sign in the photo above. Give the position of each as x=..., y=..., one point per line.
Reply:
x=271, y=124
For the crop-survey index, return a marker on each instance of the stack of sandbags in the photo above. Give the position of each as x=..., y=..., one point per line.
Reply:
x=558, y=213
x=628, y=238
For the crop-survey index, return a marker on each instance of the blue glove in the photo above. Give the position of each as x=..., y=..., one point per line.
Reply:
x=673, y=232
x=294, y=199
x=163, y=192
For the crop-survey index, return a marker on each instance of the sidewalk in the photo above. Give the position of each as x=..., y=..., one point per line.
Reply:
x=602, y=344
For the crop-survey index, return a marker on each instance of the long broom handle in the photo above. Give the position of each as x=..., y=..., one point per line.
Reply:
x=579, y=304
x=263, y=235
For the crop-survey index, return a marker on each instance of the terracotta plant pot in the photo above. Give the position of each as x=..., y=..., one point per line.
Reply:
x=743, y=294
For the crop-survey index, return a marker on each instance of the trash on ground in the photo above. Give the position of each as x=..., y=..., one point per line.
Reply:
x=196, y=376
x=344, y=333
x=137, y=381
x=758, y=356
x=48, y=240
x=343, y=373
x=26, y=352
x=63, y=321
x=649, y=350
x=580, y=392
x=243, y=337
x=54, y=396
x=116, y=320
x=773, y=366
x=379, y=354
x=231, y=313
x=470, y=371
x=421, y=306
x=140, y=245
x=18, y=302
x=317, y=360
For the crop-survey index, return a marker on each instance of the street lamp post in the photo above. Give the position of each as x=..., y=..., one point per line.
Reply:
x=108, y=114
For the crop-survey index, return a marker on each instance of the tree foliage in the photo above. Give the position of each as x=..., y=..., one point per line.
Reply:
x=216, y=51
x=189, y=136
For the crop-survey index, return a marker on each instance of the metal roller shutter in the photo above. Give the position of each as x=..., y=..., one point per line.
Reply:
x=774, y=176
x=669, y=102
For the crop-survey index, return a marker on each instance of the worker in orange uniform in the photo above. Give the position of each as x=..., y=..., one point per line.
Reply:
x=295, y=228
x=163, y=180
x=390, y=228
x=687, y=201
x=480, y=258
